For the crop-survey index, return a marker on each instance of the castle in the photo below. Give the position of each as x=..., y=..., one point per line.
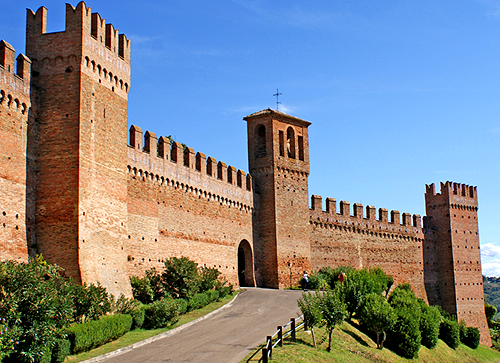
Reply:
x=73, y=189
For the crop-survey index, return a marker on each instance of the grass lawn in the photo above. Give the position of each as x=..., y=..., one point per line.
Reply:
x=351, y=345
x=138, y=335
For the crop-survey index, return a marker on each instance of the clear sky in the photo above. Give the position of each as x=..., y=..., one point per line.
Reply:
x=400, y=93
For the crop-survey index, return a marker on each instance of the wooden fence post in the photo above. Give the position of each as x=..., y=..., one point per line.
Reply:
x=264, y=355
x=280, y=336
x=270, y=345
x=292, y=320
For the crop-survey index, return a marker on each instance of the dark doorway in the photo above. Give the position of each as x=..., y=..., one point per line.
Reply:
x=245, y=264
x=241, y=266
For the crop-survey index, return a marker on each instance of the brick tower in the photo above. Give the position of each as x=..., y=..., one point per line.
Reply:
x=453, y=219
x=15, y=105
x=278, y=154
x=83, y=76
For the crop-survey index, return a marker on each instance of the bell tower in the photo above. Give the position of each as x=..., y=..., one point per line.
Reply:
x=278, y=155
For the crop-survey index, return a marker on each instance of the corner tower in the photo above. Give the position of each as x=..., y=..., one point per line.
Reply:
x=83, y=76
x=278, y=155
x=453, y=219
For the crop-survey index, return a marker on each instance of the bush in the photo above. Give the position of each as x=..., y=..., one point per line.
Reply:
x=141, y=289
x=138, y=317
x=376, y=313
x=161, y=313
x=180, y=278
x=199, y=300
x=449, y=333
x=95, y=333
x=404, y=336
x=208, y=278
x=225, y=290
x=90, y=301
x=213, y=295
x=34, y=300
x=472, y=337
x=430, y=320
x=182, y=305
x=61, y=350
x=132, y=307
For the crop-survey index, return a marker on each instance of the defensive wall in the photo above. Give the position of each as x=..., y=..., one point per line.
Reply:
x=184, y=204
x=15, y=103
x=341, y=238
x=74, y=189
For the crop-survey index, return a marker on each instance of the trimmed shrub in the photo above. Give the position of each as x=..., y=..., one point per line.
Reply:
x=138, y=317
x=449, y=333
x=92, y=334
x=213, y=295
x=208, y=278
x=61, y=350
x=141, y=289
x=199, y=300
x=225, y=290
x=182, y=305
x=404, y=336
x=472, y=337
x=180, y=277
x=429, y=325
x=161, y=313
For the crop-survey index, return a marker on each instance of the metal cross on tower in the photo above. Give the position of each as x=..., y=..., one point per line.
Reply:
x=277, y=94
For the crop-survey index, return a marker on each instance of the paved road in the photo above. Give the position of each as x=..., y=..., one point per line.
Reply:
x=227, y=336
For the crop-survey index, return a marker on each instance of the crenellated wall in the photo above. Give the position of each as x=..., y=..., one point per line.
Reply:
x=341, y=238
x=182, y=204
x=15, y=198
x=73, y=189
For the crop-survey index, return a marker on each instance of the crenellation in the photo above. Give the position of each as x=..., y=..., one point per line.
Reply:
x=83, y=192
x=150, y=142
x=345, y=208
x=201, y=163
x=406, y=219
x=189, y=160
x=222, y=171
x=395, y=217
x=358, y=210
x=231, y=175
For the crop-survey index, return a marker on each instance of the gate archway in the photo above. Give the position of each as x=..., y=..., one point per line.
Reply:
x=245, y=264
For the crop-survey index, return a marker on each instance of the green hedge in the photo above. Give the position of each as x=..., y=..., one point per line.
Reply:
x=161, y=313
x=89, y=335
x=61, y=350
x=450, y=333
x=198, y=301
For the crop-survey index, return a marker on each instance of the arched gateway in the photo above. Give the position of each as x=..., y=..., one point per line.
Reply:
x=245, y=264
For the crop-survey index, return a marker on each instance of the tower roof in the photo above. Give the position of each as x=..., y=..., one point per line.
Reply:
x=278, y=114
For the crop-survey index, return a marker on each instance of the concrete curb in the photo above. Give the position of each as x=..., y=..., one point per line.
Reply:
x=157, y=337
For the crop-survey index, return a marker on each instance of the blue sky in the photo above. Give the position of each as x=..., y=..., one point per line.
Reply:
x=400, y=93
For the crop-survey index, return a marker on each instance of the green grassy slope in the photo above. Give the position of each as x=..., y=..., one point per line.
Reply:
x=351, y=345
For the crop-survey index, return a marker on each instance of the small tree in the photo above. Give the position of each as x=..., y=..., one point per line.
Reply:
x=490, y=312
x=334, y=312
x=449, y=333
x=180, y=277
x=430, y=320
x=310, y=305
x=376, y=313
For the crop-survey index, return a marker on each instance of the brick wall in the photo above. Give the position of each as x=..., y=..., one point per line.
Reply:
x=178, y=209
x=14, y=113
x=340, y=239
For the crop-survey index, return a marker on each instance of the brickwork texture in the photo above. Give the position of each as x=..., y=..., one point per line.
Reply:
x=105, y=201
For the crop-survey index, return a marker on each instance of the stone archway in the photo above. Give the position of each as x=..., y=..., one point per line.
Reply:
x=245, y=264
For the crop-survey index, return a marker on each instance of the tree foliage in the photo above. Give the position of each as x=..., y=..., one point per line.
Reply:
x=310, y=305
x=376, y=313
x=334, y=312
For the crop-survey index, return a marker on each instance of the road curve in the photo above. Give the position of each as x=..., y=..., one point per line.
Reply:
x=225, y=337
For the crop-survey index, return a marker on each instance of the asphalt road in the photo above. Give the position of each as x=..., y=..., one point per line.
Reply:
x=225, y=337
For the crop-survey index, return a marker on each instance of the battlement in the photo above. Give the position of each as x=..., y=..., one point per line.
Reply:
x=79, y=20
x=455, y=194
x=344, y=216
x=14, y=71
x=163, y=150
